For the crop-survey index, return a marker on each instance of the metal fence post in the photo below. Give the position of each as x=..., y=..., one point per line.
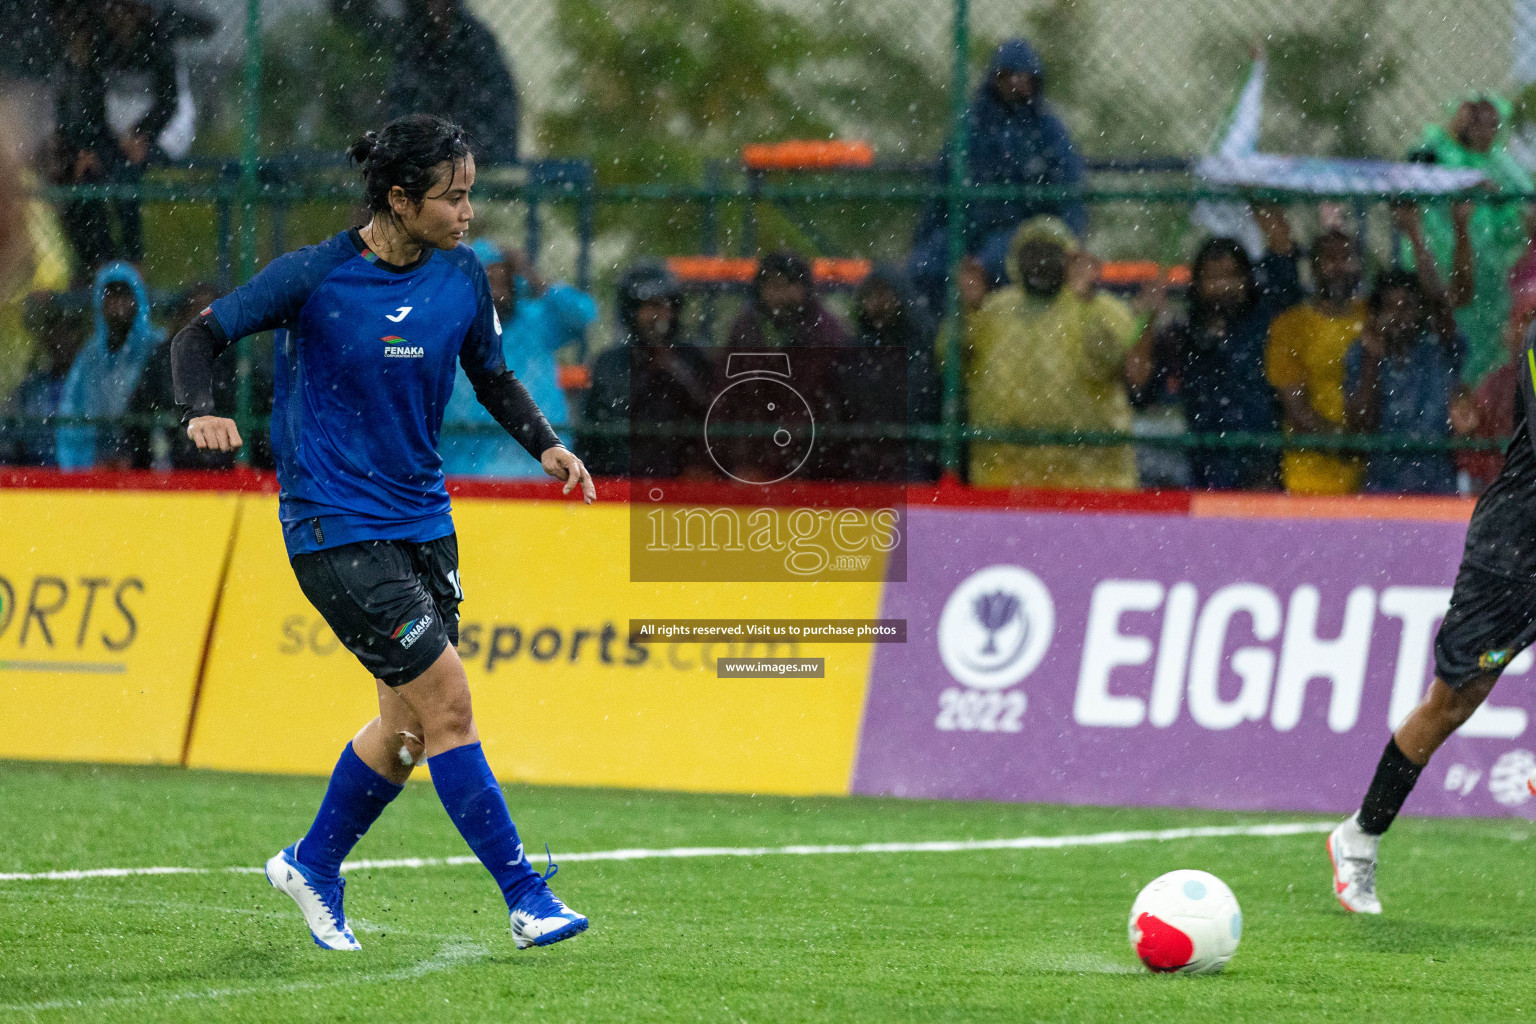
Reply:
x=954, y=204
x=586, y=228
x=246, y=192
x=225, y=216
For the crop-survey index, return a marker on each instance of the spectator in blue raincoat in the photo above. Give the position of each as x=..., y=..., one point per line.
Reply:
x=538, y=319
x=1013, y=139
x=107, y=370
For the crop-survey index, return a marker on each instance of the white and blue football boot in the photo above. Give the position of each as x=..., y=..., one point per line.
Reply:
x=319, y=900
x=539, y=918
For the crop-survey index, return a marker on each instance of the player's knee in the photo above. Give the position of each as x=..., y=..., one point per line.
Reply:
x=453, y=717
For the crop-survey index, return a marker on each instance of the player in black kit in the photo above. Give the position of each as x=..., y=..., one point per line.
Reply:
x=1491, y=619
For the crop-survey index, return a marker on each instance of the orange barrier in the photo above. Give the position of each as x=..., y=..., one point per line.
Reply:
x=827, y=271
x=830, y=271
x=574, y=377
x=1343, y=506
x=712, y=269
x=807, y=155
x=741, y=270
x=1124, y=273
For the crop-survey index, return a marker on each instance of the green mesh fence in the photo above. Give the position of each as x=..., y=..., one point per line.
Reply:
x=1134, y=81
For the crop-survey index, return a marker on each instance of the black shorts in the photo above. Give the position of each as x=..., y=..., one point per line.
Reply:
x=393, y=603
x=1492, y=618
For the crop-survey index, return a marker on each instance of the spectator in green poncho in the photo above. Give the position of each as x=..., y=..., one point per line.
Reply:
x=1474, y=138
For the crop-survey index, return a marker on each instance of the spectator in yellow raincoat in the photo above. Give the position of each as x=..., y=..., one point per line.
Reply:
x=1049, y=352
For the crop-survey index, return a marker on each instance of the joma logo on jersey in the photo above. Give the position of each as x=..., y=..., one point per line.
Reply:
x=409, y=632
x=396, y=347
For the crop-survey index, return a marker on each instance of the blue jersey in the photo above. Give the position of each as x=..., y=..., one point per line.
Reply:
x=364, y=370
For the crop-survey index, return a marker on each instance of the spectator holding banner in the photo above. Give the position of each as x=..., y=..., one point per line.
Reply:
x=1474, y=138
x=1211, y=363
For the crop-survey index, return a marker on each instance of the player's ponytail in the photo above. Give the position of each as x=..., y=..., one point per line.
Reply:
x=407, y=153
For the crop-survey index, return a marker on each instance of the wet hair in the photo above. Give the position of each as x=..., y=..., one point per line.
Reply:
x=407, y=153
x=1215, y=249
x=1393, y=280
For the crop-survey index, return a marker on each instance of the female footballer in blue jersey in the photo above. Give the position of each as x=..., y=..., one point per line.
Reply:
x=372, y=321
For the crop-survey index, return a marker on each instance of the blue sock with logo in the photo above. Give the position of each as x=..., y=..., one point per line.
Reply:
x=353, y=801
x=473, y=799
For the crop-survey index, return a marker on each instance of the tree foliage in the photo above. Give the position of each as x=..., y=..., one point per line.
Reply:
x=657, y=87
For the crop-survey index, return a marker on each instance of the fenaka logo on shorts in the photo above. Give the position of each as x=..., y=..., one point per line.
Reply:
x=1493, y=659
x=396, y=347
x=409, y=632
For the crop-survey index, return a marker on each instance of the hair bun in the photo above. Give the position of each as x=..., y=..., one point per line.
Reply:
x=364, y=147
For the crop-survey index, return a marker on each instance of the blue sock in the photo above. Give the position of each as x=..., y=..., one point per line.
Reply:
x=353, y=801
x=473, y=799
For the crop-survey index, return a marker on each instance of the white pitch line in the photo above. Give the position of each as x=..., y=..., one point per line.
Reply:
x=682, y=852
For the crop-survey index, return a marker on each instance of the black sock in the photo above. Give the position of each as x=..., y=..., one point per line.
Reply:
x=1394, y=780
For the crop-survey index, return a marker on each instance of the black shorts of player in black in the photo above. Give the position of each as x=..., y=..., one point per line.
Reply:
x=1492, y=618
x=394, y=604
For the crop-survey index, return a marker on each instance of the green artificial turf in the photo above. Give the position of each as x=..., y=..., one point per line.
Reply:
x=1006, y=935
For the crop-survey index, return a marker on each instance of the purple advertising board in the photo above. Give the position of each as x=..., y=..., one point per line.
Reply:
x=1243, y=664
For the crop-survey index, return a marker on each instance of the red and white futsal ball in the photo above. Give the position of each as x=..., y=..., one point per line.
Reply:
x=1186, y=921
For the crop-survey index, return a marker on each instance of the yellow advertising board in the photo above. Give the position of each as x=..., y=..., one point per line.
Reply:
x=280, y=693
x=561, y=695
x=105, y=601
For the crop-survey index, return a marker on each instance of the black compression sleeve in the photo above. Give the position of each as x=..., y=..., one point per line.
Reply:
x=193, y=351
x=510, y=404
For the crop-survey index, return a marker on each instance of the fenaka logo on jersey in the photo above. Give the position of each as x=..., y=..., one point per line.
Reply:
x=396, y=347
x=409, y=632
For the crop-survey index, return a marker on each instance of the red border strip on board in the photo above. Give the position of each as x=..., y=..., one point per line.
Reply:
x=948, y=493
x=237, y=480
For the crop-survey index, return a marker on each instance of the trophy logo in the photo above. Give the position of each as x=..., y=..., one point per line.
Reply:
x=996, y=627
